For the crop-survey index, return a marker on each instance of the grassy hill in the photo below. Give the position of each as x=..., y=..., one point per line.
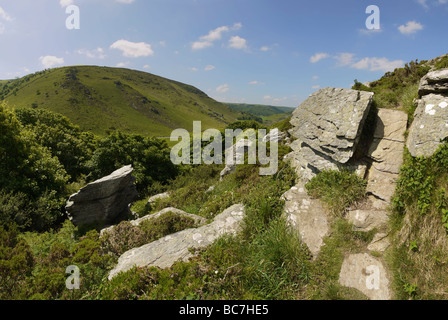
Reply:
x=269, y=114
x=101, y=98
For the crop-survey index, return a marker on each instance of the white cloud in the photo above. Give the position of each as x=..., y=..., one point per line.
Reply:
x=133, y=49
x=377, y=64
x=315, y=77
x=209, y=67
x=194, y=69
x=256, y=82
x=319, y=56
x=423, y=3
x=65, y=3
x=125, y=1
x=237, y=42
x=123, y=64
x=344, y=59
x=410, y=27
x=4, y=15
x=222, y=88
x=316, y=87
x=146, y=66
x=51, y=61
x=97, y=53
x=265, y=48
x=214, y=35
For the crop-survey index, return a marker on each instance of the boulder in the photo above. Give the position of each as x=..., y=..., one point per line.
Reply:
x=104, y=201
x=366, y=220
x=308, y=216
x=157, y=197
x=328, y=127
x=367, y=274
x=163, y=253
x=430, y=125
x=434, y=82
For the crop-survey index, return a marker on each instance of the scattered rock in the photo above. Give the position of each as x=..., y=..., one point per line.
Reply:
x=430, y=125
x=104, y=201
x=366, y=220
x=379, y=243
x=367, y=274
x=238, y=150
x=308, y=216
x=164, y=252
x=157, y=197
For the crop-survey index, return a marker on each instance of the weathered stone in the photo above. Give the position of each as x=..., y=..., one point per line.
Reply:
x=386, y=153
x=274, y=135
x=237, y=151
x=197, y=219
x=366, y=220
x=308, y=216
x=164, y=252
x=330, y=121
x=430, y=125
x=157, y=197
x=379, y=243
x=367, y=274
x=434, y=82
x=104, y=201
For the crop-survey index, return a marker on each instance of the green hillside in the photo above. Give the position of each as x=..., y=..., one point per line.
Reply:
x=259, y=109
x=101, y=98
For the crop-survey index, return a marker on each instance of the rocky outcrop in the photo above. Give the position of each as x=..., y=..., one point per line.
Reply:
x=164, y=252
x=430, y=124
x=386, y=153
x=156, y=198
x=103, y=201
x=307, y=216
x=328, y=127
x=434, y=82
x=275, y=135
x=367, y=274
x=198, y=220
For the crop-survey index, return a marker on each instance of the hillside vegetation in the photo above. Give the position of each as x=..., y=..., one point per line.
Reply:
x=99, y=99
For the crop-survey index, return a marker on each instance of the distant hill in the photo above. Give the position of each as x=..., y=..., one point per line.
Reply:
x=259, y=109
x=102, y=98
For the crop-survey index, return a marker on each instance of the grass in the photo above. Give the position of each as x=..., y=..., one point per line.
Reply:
x=100, y=99
x=337, y=190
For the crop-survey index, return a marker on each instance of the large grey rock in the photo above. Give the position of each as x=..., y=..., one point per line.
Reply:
x=308, y=216
x=327, y=126
x=103, y=201
x=156, y=198
x=164, y=252
x=386, y=153
x=430, y=125
x=330, y=121
x=434, y=82
x=366, y=220
x=367, y=274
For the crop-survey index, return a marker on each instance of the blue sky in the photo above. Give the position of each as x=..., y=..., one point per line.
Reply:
x=251, y=51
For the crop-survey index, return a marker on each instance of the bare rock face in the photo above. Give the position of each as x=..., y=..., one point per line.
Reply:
x=386, y=153
x=328, y=126
x=308, y=216
x=430, y=125
x=103, y=201
x=434, y=82
x=367, y=274
x=164, y=252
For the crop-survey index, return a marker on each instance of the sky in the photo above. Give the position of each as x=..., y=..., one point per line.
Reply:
x=246, y=51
